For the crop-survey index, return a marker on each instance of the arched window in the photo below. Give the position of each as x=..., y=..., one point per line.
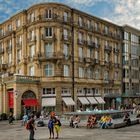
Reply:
x=28, y=95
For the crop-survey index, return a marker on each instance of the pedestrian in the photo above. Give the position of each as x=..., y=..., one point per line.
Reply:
x=57, y=126
x=11, y=118
x=24, y=119
x=71, y=120
x=32, y=128
x=51, y=127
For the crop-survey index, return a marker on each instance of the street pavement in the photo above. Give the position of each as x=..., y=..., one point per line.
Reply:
x=18, y=132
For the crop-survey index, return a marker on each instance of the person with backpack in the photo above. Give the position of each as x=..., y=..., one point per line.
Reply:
x=57, y=126
x=51, y=127
x=31, y=127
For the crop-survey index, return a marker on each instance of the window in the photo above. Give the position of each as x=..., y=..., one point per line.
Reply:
x=1, y=59
x=80, y=52
x=19, y=71
x=65, y=34
x=125, y=48
x=80, y=20
x=96, y=55
x=116, y=59
x=48, y=32
x=32, y=51
x=80, y=37
x=9, y=27
x=1, y=32
x=89, y=53
x=89, y=39
x=66, y=70
x=9, y=58
x=18, y=56
x=96, y=74
x=32, y=35
x=96, y=26
x=66, y=50
x=65, y=16
x=32, y=17
x=66, y=91
x=116, y=76
x=49, y=70
x=106, y=75
x=89, y=73
x=88, y=24
x=126, y=36
x=17, y=23
x=48, y=90
x=106, y=29
x=106, y=57
x=49, y=13
x=31, y=71
x=81, y=72
x=19, y=40
x=49, y=50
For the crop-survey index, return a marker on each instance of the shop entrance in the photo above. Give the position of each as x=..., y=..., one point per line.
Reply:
x=29, y=103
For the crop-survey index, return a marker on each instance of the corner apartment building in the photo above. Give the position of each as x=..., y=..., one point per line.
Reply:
x=131, y=65
x=61, y=58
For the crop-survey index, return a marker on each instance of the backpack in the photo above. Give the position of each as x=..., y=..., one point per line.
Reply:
x=59, y=123
x=27, y=126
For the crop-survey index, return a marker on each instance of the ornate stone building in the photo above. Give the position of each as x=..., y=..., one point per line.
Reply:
x=131, y=66
x=61, y=58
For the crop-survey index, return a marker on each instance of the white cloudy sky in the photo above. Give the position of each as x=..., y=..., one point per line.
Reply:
x=117, y=11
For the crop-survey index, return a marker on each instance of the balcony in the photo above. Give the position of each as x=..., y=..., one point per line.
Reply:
x=80, y=42
x=66, y=38
x=81, y=59
x=116, y=65
x=4, y=66
x=116, y=50
x=90, y=43
x=51, y=56
x=32, y=39
x=95, y=62
x=67, y=20
x=49, y=38
x=26, y=79
x=108, y=48
x=88, y=59
x=1, y=50
x=19, y=44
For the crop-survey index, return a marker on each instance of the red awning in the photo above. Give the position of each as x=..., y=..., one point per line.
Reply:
x=30, y=102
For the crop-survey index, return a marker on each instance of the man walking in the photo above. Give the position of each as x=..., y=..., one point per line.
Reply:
x=32, y=128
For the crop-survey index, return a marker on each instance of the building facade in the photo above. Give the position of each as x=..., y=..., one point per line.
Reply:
x=131, y=66
x=57, y=57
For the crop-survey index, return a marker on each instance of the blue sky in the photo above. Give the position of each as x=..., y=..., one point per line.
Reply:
x=117, y=11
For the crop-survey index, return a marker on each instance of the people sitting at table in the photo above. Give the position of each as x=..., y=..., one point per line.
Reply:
x=71, y=120
x=91, y=121
x=127, y=119
x=76, y=121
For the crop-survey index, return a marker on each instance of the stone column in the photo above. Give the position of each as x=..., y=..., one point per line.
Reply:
x=5, y=100
x=1, y=98
x=58, y=100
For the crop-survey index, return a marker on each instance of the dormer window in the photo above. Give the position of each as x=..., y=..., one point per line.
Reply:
x=65, y=16
x=80, y=21
x=9, y=27
x=17, y=23
x=32, y=17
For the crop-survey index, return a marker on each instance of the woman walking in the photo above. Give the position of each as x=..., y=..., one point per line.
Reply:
x=51, y=127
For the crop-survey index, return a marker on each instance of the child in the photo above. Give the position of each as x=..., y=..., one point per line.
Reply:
x=51, y=126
